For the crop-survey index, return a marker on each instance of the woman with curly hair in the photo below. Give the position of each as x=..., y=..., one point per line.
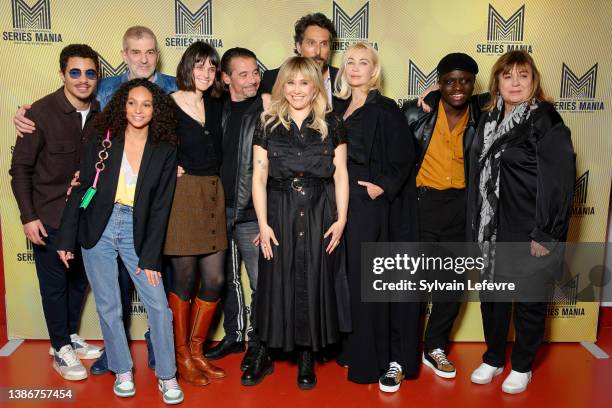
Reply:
x=196, y=239
x=300, y=194
x=121, y=209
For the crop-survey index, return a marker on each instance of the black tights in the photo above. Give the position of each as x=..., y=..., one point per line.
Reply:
x=210, y=269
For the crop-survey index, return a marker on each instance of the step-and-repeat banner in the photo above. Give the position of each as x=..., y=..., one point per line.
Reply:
x=569, y=40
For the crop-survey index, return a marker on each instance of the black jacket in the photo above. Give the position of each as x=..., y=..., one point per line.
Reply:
x=243, y=203
x=389, y=156
x=536, y=180
x=269, y=78
x=422, y=125
x=152, y=201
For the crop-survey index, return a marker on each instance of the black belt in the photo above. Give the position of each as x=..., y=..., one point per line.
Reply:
x=297, y=183
x=450, y=191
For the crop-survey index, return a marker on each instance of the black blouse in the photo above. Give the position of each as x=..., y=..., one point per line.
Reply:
x=199, y=147
x=537, y=176
x=300, y=152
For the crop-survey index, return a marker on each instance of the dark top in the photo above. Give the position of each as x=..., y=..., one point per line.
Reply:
x=537, y=176
x=44, y=162
x=354, y=127
x=152, y=201
x=199, y=147
x=231, y=138
x=388, y=155
x=300, y=152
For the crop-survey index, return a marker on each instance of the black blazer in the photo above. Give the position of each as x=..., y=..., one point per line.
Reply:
x=390, y=156
x=269, y=78
x=152, y=201
x=537, y=177
x=389, y=152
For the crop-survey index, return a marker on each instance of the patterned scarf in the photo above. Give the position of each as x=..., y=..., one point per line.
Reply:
x=496, y=138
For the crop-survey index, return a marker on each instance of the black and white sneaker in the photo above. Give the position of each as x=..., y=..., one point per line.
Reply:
x=392, y=379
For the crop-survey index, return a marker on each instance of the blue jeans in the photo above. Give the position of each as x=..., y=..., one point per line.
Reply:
x=101, y=267
x=240, y=239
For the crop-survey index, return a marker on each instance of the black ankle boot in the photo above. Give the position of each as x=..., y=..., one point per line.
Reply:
x=260, y=366
x=306, y=379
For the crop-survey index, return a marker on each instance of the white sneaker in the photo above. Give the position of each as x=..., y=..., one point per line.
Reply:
x=124, y=385
x=82, y=349
x=68, y=365
x=516, y=382
x=484, y=373
x=171, y=391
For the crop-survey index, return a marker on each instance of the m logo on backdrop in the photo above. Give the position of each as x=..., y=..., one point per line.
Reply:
x=500, y=29
x=563, y=301
x=418, y=81
x=350, y=29
x=31, y=24
x=193, y=26
x=581, y=189
x=504, y=34
x=107, y=70
x=37, y=17
x=261, y=66
x=28, y=255
x=198, y=23
x=578, y=94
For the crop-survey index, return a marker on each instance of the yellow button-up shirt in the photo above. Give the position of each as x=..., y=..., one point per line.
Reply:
x=442, y=166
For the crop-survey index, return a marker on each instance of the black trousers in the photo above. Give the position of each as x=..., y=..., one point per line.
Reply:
x=62, y=290
x=240, y=248
x=382, y=332
x=529, y=324
x=441, y=219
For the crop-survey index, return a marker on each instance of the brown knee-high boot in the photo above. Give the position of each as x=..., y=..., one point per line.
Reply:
x=202, y=313
x=185, y=366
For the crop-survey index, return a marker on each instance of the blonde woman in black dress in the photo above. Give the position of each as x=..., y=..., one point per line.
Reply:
x=300, y=193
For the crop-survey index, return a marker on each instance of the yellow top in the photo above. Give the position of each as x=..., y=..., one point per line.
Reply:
x=442, y=166
x=126, y=186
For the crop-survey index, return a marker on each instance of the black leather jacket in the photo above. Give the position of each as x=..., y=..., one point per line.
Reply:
x=422, y=125
x=243, y=203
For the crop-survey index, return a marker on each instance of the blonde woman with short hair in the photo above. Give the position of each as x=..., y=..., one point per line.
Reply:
x=300, y=194
x=383, y=344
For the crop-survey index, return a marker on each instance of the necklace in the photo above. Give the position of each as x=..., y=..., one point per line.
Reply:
x=194, y=111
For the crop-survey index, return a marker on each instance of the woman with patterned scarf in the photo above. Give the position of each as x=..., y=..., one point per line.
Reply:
x=523, y=173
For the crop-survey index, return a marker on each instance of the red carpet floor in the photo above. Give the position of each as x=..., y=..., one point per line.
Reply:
x=566, y=375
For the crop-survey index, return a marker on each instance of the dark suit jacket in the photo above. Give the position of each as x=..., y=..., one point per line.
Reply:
x=269, y=78
x=152, y=201
x=44, y=162
x=390, y=155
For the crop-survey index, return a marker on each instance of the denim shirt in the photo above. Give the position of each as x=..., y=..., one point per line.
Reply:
x=108, y=86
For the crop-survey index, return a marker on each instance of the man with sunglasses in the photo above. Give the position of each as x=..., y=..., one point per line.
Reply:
x=42, y=166
x=140, y=53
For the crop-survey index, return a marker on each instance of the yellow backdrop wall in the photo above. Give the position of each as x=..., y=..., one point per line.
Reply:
x=569, y=40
